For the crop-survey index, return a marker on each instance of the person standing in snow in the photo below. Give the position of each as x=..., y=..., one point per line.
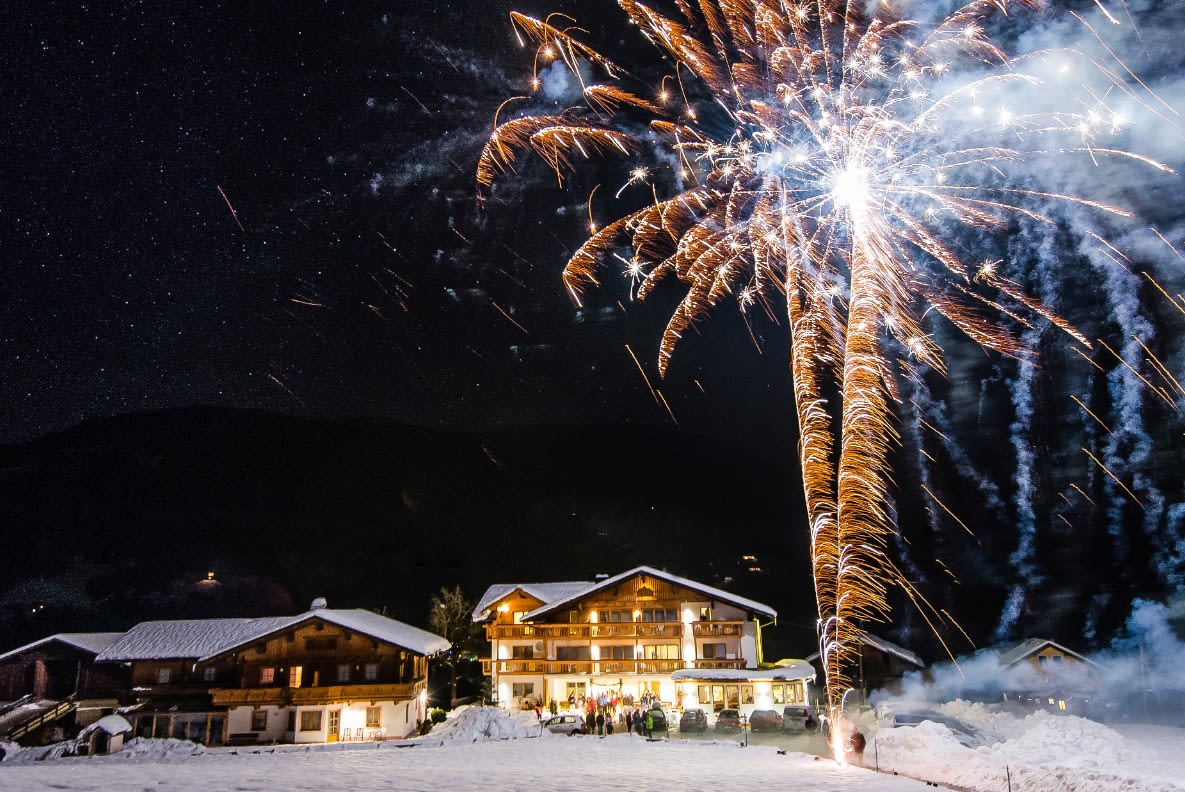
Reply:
x=600, y=723
x=855, y=747
x=649, y=725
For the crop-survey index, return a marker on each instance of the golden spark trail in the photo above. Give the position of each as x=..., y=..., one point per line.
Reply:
x=1114, y=478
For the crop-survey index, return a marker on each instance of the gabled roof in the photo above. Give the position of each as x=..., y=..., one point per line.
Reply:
x=87, y=642
x=543, y=592
x=1031, y=647
x=876, y=642
x=202, y=639
x=186, y=639
x=708, y=591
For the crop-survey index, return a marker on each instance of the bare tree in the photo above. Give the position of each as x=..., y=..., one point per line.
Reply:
x=451, y=617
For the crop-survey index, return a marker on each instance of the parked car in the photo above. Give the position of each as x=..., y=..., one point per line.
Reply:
x=565, y=724
x=693, y=720
x=728, y=720
x=659, y=719
x=799, y=717
x=765, y=720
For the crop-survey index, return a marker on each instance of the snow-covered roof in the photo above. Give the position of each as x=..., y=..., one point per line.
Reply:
x=88, y=642
x=187, y=638
x=1031, y=647
x=544, y=592
x=202, y=639
x=876, y=642
x=709, y=591
x=111, y=724
x=794, y=670
x=379, y=627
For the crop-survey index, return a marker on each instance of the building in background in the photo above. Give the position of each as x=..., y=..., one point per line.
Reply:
x=625, y=635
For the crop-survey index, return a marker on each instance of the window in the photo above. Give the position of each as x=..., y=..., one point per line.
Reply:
x=209, y=674
x=660, y=614
x=259, y=720
x=794, y=692
x=713, y=651
x=294, y=676
x=310, y=720
x=267, y=675
x=645, y=592
x=615, y=617
x=343, y=672
x=522, y=652
x=518, y=616
x=618, y=652
x=779, y=694
x=572, y=653
x=374, y=717
x=163, y=675
x=662, y=651
x=370, y=672
x=521, y=689
x=705, y=613
x=746, y=694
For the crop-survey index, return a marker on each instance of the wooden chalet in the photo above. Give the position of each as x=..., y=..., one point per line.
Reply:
x=625, y=634
x=54, y=684
x=1042, y=674
x=322, y=676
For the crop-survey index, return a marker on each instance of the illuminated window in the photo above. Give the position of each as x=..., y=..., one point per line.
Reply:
x=267, y=676
x=518, y=616
x=294, y=676
x=343, y=672
x=310, y=720
x=163, y=676
x=662, y=652
x=371, y=672
x=779, y=694
x=374, y=717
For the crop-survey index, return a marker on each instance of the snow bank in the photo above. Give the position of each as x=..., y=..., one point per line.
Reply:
x=482, y=724
x=1041, y=752
x=139, y=749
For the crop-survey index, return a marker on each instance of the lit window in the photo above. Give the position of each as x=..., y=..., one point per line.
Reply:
x=343, y=672
x=267, y=676
x=371, y=671
x=163, y=676
x=374, y=717
x=294, y=676
x=310, y=720
x=209, y=674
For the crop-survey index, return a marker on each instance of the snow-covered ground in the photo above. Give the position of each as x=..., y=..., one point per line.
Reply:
x=489, y=750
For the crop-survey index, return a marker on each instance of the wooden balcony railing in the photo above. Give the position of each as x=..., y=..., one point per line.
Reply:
x=284, y=696
x=488, y=667
x=712, y=629
x=612, y=630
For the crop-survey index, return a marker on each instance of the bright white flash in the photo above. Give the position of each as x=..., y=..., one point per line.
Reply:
x=850, y=189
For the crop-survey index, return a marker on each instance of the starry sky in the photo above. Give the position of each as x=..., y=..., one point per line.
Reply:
x=256, y=205
x=272, y=205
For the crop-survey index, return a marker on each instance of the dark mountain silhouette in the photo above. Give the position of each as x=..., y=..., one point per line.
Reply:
x=119, y=520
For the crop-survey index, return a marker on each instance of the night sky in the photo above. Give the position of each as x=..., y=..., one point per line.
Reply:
x=272, y=205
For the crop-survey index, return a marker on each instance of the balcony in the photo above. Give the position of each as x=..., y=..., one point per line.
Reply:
x=612, y=630
x=488, y=667
x=714, y=629
x=329, y=694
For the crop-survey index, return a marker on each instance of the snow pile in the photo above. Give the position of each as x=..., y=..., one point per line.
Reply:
x=1042, y=752
x=483, y=724
x=140, y=749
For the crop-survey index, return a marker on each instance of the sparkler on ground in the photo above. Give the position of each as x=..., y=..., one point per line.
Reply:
x=835, y=165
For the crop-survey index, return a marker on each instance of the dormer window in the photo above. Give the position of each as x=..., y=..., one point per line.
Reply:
x=645, y=592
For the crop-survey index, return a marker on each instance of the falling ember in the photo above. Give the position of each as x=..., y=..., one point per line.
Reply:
x=851, y=160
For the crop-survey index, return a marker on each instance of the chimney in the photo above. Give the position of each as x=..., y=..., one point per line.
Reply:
x=318, y=604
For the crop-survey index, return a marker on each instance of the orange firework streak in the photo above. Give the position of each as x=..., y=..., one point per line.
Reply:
x=823, y=195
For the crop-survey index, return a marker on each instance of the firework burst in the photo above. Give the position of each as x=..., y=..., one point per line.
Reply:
x=862, y=154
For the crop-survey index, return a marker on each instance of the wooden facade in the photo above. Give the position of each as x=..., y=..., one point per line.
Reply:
x=627, y=634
